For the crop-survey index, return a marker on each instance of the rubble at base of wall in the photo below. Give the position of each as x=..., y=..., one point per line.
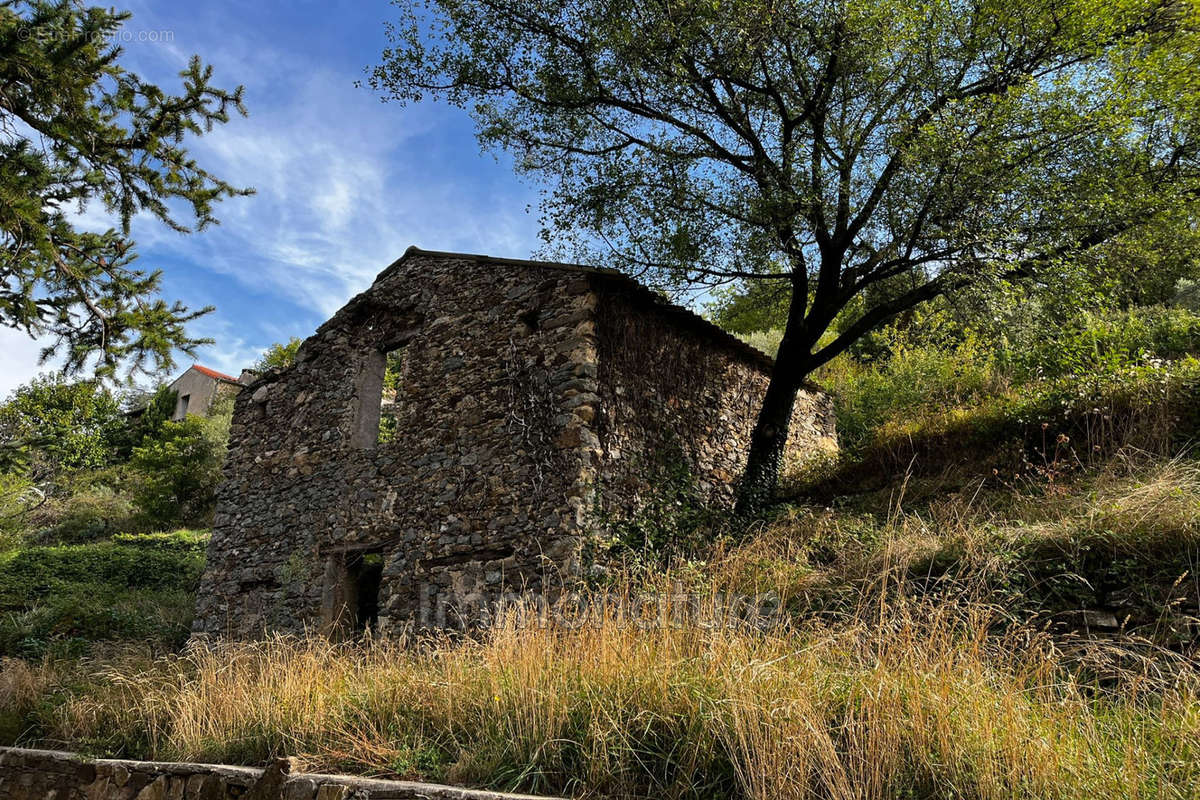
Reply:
x=49, y=775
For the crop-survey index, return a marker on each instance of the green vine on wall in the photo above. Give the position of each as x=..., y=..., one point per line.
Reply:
x=672, y=521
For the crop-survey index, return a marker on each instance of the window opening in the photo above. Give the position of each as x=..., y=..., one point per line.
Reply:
x=389, y=401
x=378, y=393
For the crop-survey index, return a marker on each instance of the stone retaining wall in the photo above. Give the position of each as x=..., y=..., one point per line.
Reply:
x=48, y=775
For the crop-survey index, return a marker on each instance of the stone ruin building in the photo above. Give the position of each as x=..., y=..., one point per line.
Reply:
x=462, y=429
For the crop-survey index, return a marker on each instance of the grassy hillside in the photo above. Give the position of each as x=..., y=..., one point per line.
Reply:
x=993, y=593
x=1010, y=641
x=57, y=599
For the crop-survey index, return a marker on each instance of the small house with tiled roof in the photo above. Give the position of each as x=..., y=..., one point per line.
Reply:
x=466, y=429
x=198, y=387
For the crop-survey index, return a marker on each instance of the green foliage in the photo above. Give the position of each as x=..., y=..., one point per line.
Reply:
x=83, y=130
x=868, y=396
x=671, y=523
x=1019, y=369
x=85, y=507
x=752, y=307
x=133, y=587
x=182, y=467
x=18, y=498
x=1145, y=265
x=279, y=355
x=157, y=411
x=61, y=425
x=764, y=341
x=877, y=154
x=1187, y=295
x=393, y=374
x=1089, y=343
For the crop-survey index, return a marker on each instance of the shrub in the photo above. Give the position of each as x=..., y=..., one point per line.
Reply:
x=765, y=341
x=181, y=469
x=135, y=587
x=18, y=499
x=1085, y=374
x=85, y=506
x=930, y=378
x=279, y=355
x=157, y=409
x=1091, y=343
x=67, y=426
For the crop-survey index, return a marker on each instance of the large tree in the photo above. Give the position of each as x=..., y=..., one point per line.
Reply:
x=54, y=425
x=79, y=132
x=863, y=155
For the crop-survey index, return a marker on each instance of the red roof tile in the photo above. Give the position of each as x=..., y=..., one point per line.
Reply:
x=212, y=373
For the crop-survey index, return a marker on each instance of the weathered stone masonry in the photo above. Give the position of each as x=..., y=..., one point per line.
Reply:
x=48, y=775
x=526, y=389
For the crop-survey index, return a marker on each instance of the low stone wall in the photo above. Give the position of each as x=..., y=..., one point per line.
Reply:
x=48, y=775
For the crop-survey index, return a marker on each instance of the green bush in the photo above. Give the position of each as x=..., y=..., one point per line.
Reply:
x=134, y=587
x=84, y=507
x=1042, y=372
x=91, y=515
x=181, y=469
x=927, y=378
x=18, y=497
x=157, y=408
x=1090, y=343
x=61, y=425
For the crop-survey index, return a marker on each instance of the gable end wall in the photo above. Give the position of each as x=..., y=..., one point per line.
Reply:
x=482, y=489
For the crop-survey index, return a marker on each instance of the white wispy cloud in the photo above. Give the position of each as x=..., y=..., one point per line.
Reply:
x=18, y=360
x=344, y=184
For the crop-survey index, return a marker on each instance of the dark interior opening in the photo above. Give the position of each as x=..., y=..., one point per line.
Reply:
x=365, y=573
x=531, y=319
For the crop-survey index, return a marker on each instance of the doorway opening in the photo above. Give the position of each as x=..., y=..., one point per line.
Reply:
x=365, y=570
x=353, y=582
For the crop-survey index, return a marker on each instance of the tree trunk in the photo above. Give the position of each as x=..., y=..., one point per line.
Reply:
x=769, y=438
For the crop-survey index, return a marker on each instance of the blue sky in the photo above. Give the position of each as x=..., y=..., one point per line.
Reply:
x=345, y=182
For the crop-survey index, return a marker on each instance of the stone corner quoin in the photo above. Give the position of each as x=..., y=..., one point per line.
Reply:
x=521, y=403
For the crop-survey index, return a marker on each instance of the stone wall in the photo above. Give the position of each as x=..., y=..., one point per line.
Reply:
x=47, y=775
x=677, y=393
x=481, y=488
x=524, y=387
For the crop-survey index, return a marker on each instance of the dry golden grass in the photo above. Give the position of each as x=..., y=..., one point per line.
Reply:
x=1138, y=509
x=889, y=696
x=918, y=702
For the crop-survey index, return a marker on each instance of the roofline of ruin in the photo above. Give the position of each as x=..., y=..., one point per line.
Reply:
x=681, y=313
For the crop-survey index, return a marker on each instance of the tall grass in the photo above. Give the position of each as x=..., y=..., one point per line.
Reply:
x=908, y=700
x=886, y=689
x=1125, y=539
